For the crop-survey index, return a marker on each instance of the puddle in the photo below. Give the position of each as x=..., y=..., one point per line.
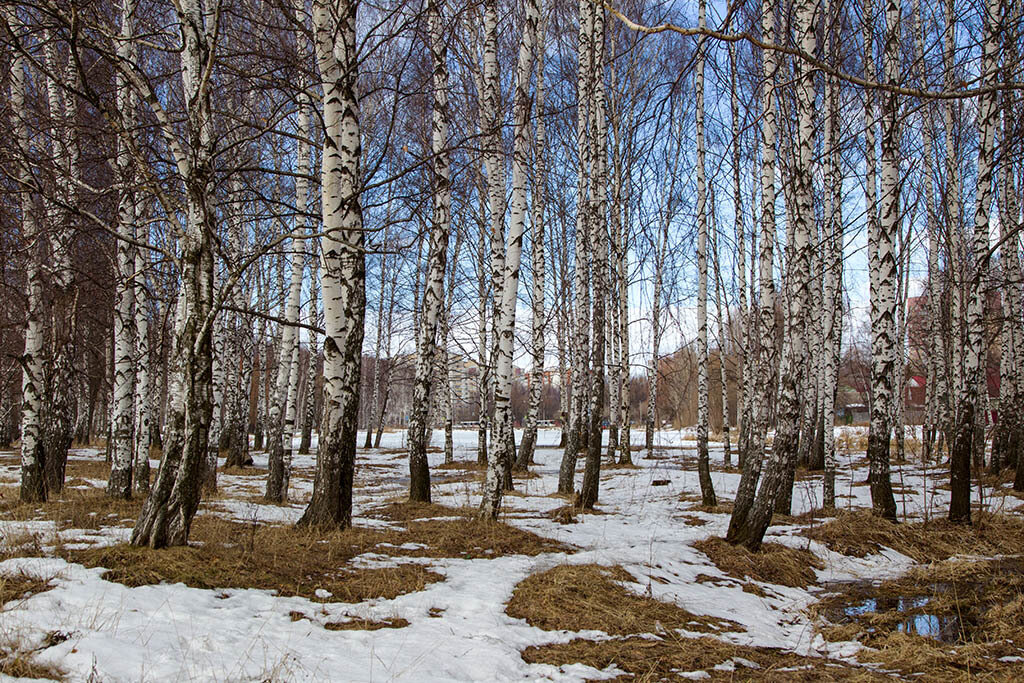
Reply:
x=948, y=607
x=906, y=614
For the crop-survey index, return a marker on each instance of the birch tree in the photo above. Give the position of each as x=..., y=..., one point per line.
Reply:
x=882, y=258
x=500, y=461
x=33, y=485
x=739, y=531
x=343, y=267
x=433, y=292
x=119, y=484
x=282, y=408
x=166, y=516
x=537, y=275
x=968, y=401
x=707, y=491
x=596, y=207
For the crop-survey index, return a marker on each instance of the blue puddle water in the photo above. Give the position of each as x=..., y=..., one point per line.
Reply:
x=945, y=628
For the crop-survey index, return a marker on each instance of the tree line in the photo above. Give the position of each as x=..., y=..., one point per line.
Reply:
x=232, y=217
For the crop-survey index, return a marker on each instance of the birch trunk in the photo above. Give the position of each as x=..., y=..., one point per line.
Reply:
x=723, y=375
x=739, y=530
x=537, y=275
x=652, y=369
x=143, y=392
x=707, y=490
x=445, y=364
x=433, y=292
x=597, y=208
x=59, y=401
x=343, y=273
x=882, y=258
x=309, y=416
x=281, y=429
x=742, y=370
x=500, y=462
x=378, y=348
x=482, y=372
x=954, y=213
x=119, y=484
x=244, y=349
x=580, y=340
x=33, y=485
x=832, y=322
x=1010, y=413
x=167, y=514
x=780, y=466
x=974, y=356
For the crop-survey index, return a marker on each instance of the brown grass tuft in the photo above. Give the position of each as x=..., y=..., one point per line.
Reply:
x=664, y=659
x=860, y=534
x=77, y=509
x=21, y=587
x=589, y=596
x=366, y=624
x=288, y=560
x=774, y=563
x=21, y=665
x=227, y=554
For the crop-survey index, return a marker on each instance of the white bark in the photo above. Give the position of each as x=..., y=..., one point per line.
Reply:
x=282, y=410
x=121, y=452
x=969, y=402
x=703, y=468
x=505, y=312
x=343, y=272
x=882, y=262
x=33, y=488
x=760, y=400
x=433, y=292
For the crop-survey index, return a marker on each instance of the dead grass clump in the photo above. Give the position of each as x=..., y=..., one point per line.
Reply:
x=87, y=469
x=929, y=659
x=860, y=534
x=405, y=511
x=227, y=554
x=472, y=539
x=20, y=586
x=288, y=560
x=722, y=508
x=583, y=597
x=21, y=665
x=77, y=509
x=655, y=660
x=691, y=520
x=773, y=563
x=366, y=624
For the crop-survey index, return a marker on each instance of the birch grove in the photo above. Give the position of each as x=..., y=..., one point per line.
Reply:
x=235, y=228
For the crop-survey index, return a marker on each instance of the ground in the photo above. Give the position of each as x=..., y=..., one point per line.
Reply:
x=640, y=589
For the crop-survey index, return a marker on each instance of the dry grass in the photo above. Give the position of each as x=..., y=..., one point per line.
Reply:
x=773, y=563
x=860, y=534
x=87, y=469
x=366, y=624
x=21, y=587
x=288, y=560
x=77, y=509
x=227, y=554
x=656, y=660
x=584, y=597
x=983, y=601
x=21, y=665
